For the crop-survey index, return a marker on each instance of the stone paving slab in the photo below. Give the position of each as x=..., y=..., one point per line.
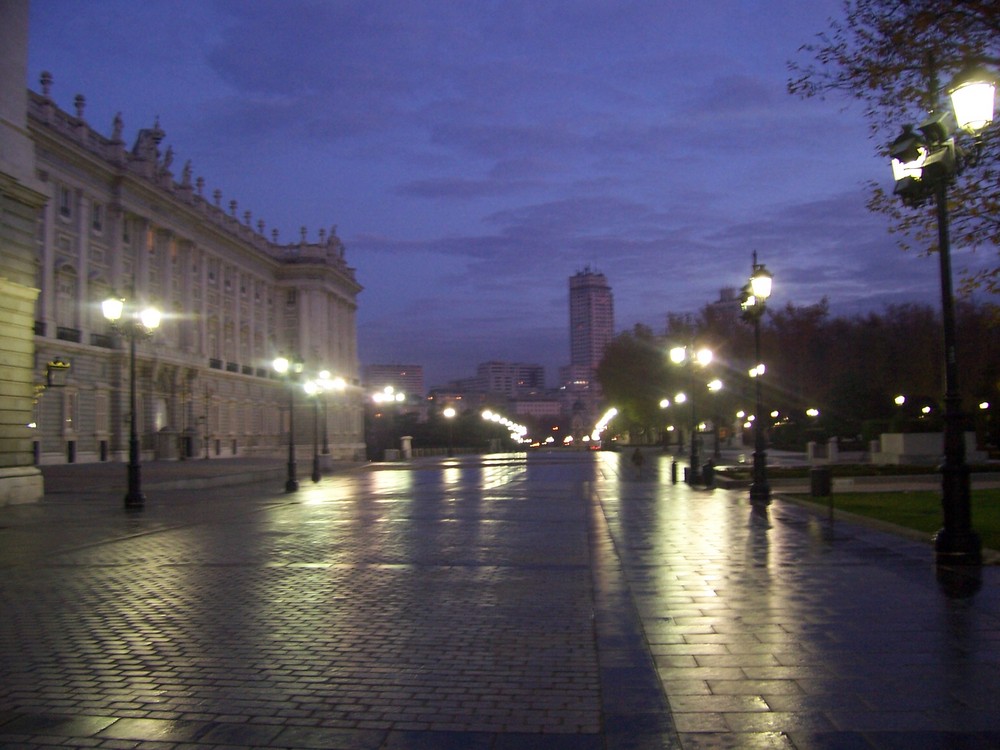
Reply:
x=553, y=601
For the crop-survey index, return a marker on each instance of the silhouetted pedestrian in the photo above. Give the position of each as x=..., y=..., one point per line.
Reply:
x=638, y=459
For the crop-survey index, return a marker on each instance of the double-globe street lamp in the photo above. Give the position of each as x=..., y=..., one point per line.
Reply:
x=924, y=164
x=755, y=294
x=315, y=388
x=687, y=355
x=135, y=323
x=289, y=369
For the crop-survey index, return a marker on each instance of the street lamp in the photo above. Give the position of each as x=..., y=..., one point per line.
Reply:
x=715, y=386
x=755, y=295
x=289, y=369
x=328, y=383
x=313, y=388
x=924, y=164
x=703, y=357
x=449, y=414
x=135, y=324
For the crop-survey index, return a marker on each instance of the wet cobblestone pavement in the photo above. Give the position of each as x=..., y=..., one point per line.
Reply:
x=549, y=601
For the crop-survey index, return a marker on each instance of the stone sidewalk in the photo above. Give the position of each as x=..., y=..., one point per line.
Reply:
x=553, y=601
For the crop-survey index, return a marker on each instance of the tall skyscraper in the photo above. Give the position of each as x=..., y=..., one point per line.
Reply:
x=591, y=327
x=591, y=318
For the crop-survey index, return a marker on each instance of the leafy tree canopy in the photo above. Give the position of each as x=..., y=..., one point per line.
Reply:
x=634, y=376
x=895, y=56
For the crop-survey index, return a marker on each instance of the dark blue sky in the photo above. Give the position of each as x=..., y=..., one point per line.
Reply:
x=474, y=155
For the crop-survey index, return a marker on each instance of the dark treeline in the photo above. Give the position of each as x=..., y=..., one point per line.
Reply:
x=850, y=369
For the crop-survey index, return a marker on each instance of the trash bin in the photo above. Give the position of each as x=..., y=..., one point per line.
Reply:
x=820, y=481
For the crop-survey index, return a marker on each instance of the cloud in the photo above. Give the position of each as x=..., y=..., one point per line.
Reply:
x=475, y=155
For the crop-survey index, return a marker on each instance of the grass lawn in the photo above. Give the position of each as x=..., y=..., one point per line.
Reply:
x=922, y=510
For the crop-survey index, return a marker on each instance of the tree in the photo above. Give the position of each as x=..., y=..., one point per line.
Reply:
x=893, y=55
x=634, y=377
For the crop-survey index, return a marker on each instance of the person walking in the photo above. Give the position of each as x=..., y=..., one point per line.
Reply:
x=637, y=460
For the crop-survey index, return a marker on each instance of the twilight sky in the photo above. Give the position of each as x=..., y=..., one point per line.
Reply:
x=474, y=154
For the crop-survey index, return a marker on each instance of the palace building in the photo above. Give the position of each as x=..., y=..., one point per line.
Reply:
x=118, y=221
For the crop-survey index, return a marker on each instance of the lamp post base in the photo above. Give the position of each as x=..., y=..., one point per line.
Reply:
x=292, y=483
x=134, y=501
x=957, y=548
x=134, y=498
x=760, y=490
x=760, y=496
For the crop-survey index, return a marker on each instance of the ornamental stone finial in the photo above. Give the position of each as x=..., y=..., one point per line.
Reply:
x=79, y=101
x=46, y=81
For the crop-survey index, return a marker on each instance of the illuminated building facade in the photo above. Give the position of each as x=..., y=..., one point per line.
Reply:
x=116, y=220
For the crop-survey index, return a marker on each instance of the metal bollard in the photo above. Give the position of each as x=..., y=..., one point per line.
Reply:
x=673, y=472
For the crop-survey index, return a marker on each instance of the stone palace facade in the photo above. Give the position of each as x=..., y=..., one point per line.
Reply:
x=118, y=220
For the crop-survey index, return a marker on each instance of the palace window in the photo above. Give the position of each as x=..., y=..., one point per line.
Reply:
x=65, y=202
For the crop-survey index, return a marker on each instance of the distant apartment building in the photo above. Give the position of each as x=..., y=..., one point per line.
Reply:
x=591, y=318
x=513, y=379
x=542, y=407
x=116, y=221
x=728, y=308
x=592, y=326
x=408, y=379
x=506, y=379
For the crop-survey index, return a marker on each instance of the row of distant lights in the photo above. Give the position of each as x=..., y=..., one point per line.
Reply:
x=900, y=400
x=602, y=425
x=680, y=398
x=518, y=432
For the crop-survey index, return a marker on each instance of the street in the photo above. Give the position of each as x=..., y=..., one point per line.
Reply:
x=549, y=601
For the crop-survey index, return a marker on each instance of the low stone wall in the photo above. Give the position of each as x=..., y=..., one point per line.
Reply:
x=21, y=484
x=920, y=448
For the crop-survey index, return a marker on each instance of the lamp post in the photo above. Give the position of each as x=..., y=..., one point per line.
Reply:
x=449, y=414
x=134, y=323
x=288, y=369
x=715, y=386
x=328, y=383
x=688, y=355
x=755, y=295
x=313, y=388
x=924, y=164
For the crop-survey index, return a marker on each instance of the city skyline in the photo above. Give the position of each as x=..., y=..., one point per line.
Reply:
x=473, y=156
